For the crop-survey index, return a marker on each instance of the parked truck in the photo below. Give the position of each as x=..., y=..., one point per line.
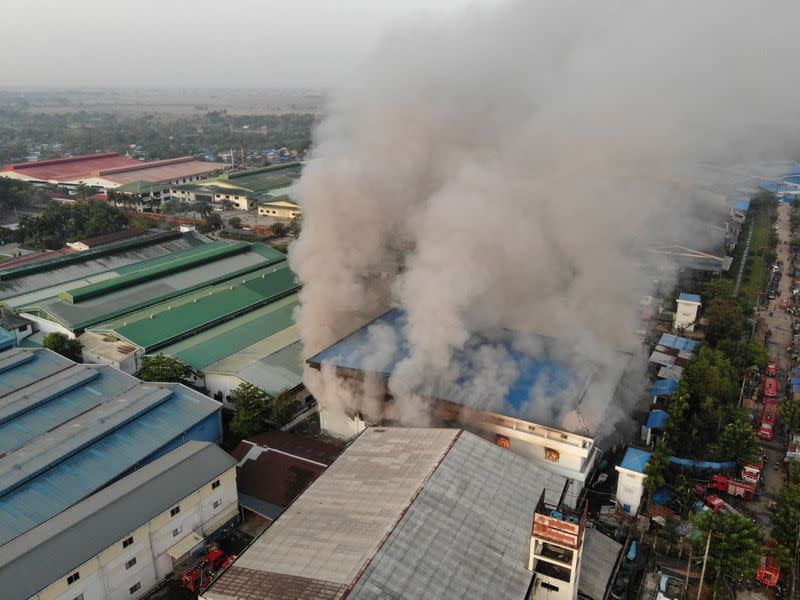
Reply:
x=202, y=571
x=732, y=487
x=769, y=414
x=718, y=504
x=751, y=474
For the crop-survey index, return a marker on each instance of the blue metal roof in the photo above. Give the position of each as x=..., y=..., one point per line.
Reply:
x=635, y=460
x=742, y=204
x=537, y=376
x=689, y=297
x=23, y=367
x=91, y=453
x=664, y=387
x=7, y=339
x=679, y=343
x=657, y=419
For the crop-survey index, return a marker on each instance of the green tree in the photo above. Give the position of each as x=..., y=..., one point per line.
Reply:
x=736, y=544
x=278, y=228
x=235, y=222
x=656, y=468
x=83, y=191
x=64, y=345
x=165, y=368
x=789, y=413
x=786, y=518
x=139, y=222
x=250, y=406
x=719, y=288
x=725, y=321
x=738, y=442
x=295, y=225
x=213, y=221
x=281, y=407
x=684, y=497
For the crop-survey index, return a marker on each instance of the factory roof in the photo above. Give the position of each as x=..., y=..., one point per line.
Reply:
x=635, y=460
x=56, y=547
x=73, y=167
x=30, y=283
x=258, y=183
x=551, y=377
x=158, y=171
x=116, y=236
x=7, y=339
x=403, y=512
x=67, y=430
x=275, y=467
x=165, y=284
x=600, y=553
x=678, y=343
x=161, y=324
x=690, y=298
x=141, y=187
x=235, y=344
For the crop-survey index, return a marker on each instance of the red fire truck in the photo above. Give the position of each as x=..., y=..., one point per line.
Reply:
x=771, y=387
x=772, y=368
x=202, y=571
x=737, y=489
x=766, y=428
x=770, y=570
x=718, y=504
x=751, y=474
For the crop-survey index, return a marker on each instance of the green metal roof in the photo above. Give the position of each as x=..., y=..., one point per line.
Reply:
x=253, y=182
x=142, y=187
x=184, y=316
x=232, y=337
x=169, y=264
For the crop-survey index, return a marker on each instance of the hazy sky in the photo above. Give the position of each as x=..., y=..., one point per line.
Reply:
x=230, y=43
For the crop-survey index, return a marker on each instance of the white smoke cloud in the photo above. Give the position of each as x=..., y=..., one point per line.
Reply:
x=511, y=166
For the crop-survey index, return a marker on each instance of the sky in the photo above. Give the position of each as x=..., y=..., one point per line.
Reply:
x=198, y=43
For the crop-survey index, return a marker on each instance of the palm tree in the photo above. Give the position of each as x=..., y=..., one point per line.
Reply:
x=83, y=190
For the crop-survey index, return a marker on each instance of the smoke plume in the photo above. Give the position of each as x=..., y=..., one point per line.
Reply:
x=512, y=167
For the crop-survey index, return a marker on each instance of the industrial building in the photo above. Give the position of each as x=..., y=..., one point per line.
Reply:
x=124, y=539
x=110, y=170
x=525, y=420
x=410, y=513
x=245, y=189
x=281, y=207
x=68, y=430
x=276, y=467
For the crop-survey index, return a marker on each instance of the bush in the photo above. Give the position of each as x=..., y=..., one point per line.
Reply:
x=65, y=346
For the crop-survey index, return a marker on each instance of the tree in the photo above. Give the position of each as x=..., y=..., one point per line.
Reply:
x=213, y=221
x=64, y=345
x=738, y=442
x=140, y=222
x=203, y=208
x=83, y=191
x=719, y=288
x=684, y=497
x=295, y=225
x=725, y=321
x=278, y=229
x=170, y=207
x=736, y=544
x=786, y=518
x=656, y=468
x=60, y=222
x=235, y=222
x=165, y=368
x=789, y=413
x=250, y=405
x=281, y=407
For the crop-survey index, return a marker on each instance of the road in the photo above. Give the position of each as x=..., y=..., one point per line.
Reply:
x=780, y=323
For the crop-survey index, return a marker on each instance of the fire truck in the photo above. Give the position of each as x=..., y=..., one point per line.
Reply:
x=718, y=504
x=770, y=570
x=772, y=368
x=751, y=474
x=202, y=571
x=737, y=489
x=766, y=428
x=771, y=387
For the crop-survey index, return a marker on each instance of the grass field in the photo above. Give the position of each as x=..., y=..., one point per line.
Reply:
x=755, y=272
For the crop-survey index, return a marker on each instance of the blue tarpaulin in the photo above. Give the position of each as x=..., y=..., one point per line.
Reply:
x=701, y=464
x=742, y=204
x=679, y=343
x=657, y=419
x=663, y=495
x=795, y=380
x=664, y=387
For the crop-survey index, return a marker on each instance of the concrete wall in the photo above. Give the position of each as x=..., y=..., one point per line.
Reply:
x=630, y=487
x=686, y=315
x=110, y=574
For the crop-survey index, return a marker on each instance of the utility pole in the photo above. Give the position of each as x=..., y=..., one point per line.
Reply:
x=703, y=571
x=688, y=570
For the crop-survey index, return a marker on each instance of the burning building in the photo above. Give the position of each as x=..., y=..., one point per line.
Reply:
x=543, y=407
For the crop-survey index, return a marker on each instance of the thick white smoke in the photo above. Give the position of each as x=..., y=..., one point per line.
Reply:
x=510, y=167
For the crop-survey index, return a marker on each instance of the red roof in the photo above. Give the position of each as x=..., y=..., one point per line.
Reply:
x=157, y=171
x=285, y=465
x=73, y=167
x=33, y=258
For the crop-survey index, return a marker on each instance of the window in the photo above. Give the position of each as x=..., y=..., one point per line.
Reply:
x=531, y=427
x=128, y=542
x=135, y=587
x=217, y=503
x=130, y=563
x=549, y=586
x=175, y=511
x=551, y=455
x=73, y=578
x=215, y=485
x=176, y=531
x=564, y=436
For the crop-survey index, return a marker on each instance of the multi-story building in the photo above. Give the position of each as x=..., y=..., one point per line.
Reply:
x=124, y=539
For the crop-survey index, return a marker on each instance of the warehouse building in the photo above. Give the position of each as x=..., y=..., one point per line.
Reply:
x=525, y=420
x=68, y=430
x=281, y=207
x=110, y=170
x=124, y=539
x=245, y=189
x=406, y=513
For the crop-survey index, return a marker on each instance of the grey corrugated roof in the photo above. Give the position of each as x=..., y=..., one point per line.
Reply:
x=468, y=533
x=280, y=371
x=34, y=560
x=600, y=553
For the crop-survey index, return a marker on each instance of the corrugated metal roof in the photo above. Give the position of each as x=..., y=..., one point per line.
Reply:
x=21, y=366
x=679, y=343
x=53, y=549
x=66, y=436
x=600, y=553
x=545, y=368
x=635, y=460
x=468, y=532
x=689, y=298
x=280, y=371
